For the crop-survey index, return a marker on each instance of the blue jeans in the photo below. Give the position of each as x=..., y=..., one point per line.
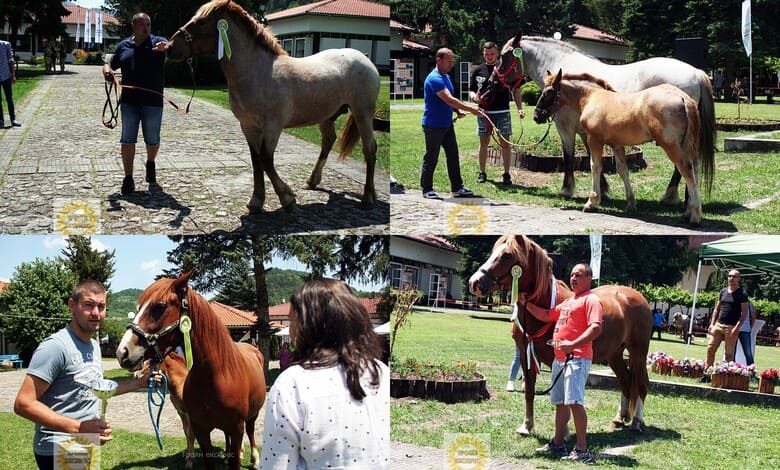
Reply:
x=7, y=84
x=744, y=340
x=150, y=118
x=515, y=368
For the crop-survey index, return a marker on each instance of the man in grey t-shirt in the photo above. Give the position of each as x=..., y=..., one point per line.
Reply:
x=56, y=392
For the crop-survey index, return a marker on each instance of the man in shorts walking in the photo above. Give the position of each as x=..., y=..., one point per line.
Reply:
x=141, y=58
x=578, y=323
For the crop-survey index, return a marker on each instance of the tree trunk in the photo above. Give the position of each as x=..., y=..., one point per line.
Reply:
x=263, y=326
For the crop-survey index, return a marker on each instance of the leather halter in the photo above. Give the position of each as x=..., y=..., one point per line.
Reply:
x=503, y=76
x=152, y=338
x=547, y=111
x=495, y=281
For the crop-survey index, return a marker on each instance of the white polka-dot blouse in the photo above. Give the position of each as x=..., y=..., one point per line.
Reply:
x=312, y=422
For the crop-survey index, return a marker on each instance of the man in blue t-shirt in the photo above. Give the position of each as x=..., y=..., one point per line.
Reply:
x=141, y=58
x=56, y=392
x=438, y=128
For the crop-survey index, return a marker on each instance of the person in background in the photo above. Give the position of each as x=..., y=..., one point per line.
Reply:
x=7, y=79
x=730, y=312
x=331, y=406
x=56, y=392
x=514, y=371
x=745, y=335
x=658, y=321
x=284, y=355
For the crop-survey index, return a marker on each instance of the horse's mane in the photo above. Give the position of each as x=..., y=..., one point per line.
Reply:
x=586, y=77
x=262, y=36
x=522, y=248
x=554, y=43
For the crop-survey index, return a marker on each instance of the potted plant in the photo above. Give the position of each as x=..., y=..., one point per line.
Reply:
x=767, y=380
x=448, y=384
x=731, y=375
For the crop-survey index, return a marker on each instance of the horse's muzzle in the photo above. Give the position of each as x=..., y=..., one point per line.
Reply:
x=540, y=116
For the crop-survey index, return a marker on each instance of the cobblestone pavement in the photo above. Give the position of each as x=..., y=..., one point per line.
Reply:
x=63, y=157
x=411, y=213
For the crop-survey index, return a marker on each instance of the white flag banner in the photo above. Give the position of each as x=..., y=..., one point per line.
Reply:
x=87, y=27
x=78, y=27
x=99, y=27
x=747, y=39
x=595, y=255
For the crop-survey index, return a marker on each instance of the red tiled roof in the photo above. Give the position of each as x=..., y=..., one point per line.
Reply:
x=77, y=15
x=592, y=34
x=415, y=46
x=233, y=317
x=434, y=240
x=359, y=8
x=280, y=313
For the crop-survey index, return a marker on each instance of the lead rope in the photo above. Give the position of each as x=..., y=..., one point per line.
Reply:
x=155, y=397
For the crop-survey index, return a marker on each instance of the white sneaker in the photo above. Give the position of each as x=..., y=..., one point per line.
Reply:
x=510, y=386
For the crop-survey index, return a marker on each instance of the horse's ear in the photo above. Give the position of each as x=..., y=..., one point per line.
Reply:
x=180, y=284
x=516, y=40
x=559, y=76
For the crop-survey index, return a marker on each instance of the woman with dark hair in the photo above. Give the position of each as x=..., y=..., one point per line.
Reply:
x=331, y=407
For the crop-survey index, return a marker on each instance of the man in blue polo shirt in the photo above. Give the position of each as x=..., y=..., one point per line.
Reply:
x=438, y=128
x=141, y=58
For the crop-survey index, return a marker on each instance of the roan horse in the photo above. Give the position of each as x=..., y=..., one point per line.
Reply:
x=224, y=389
x=663, y=113
x=537, y=55
x=270, y=91
x=627, y=324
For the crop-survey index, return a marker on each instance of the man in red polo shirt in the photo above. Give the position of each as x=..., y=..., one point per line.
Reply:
x=578, y=323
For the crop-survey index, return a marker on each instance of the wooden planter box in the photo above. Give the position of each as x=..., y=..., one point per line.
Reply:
x=766, y=386
x=443, y=391
x=731, y=382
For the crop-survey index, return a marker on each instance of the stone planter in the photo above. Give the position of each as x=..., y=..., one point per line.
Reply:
x=757, y=126
x=444, y=391
x=554, y=163
x=766, y=386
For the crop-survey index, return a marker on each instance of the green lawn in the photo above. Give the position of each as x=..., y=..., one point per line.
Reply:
x=683, y=432
x=127, y=450
x=311, y=134
x=26, y=80
x=741, y=179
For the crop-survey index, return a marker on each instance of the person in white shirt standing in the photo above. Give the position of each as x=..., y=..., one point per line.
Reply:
x=331, y=406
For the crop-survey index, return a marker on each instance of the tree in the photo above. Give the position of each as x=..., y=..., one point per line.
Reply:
x=218, y=257
x=88, y=263
x=37, y=300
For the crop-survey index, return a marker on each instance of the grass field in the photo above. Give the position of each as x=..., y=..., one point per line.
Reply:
x=744, y=192
x=311, y=134
x=127, y=450
x=26, y=80
x=683, y=432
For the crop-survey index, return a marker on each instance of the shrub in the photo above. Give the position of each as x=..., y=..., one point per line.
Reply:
x=530, y=93
x=207, y=72
x=34, y=60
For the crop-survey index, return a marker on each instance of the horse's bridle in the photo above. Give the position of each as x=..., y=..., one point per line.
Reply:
x=152, y=338
x=495, y=281
x=513, y=67
x=547, y=111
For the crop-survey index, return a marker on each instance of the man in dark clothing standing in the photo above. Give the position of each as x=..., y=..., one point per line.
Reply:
x=729, y=314
x=141, y=58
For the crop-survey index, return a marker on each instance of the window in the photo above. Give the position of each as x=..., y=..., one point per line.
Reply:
x=287, y=45
x=300, y=47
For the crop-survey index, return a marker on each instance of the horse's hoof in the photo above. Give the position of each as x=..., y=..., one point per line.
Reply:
x=289, y=206
x=618, y=423
x=306, y=185
x=589, y=208
x=670, y=200
x=566, y=193
x=523, y=431
x=254, y=210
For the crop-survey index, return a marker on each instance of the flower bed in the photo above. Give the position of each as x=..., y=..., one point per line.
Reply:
x=750, y=124
x=767, y=380
x=731, y=375
x=660, y=363
x=448, y=384
x=549, y=161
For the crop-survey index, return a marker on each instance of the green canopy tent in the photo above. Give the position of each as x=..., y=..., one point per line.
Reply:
x=752, y=255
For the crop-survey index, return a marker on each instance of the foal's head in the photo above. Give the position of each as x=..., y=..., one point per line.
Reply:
x=154, y=331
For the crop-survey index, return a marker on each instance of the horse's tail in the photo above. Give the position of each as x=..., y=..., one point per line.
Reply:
x=349, y=137
x=640, y=382
x=707, y=131
x=693, y=132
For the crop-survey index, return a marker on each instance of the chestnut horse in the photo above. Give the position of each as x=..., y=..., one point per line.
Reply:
x=663, y=113
x=627, y=324
x=270, y=91
x=224, y=389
